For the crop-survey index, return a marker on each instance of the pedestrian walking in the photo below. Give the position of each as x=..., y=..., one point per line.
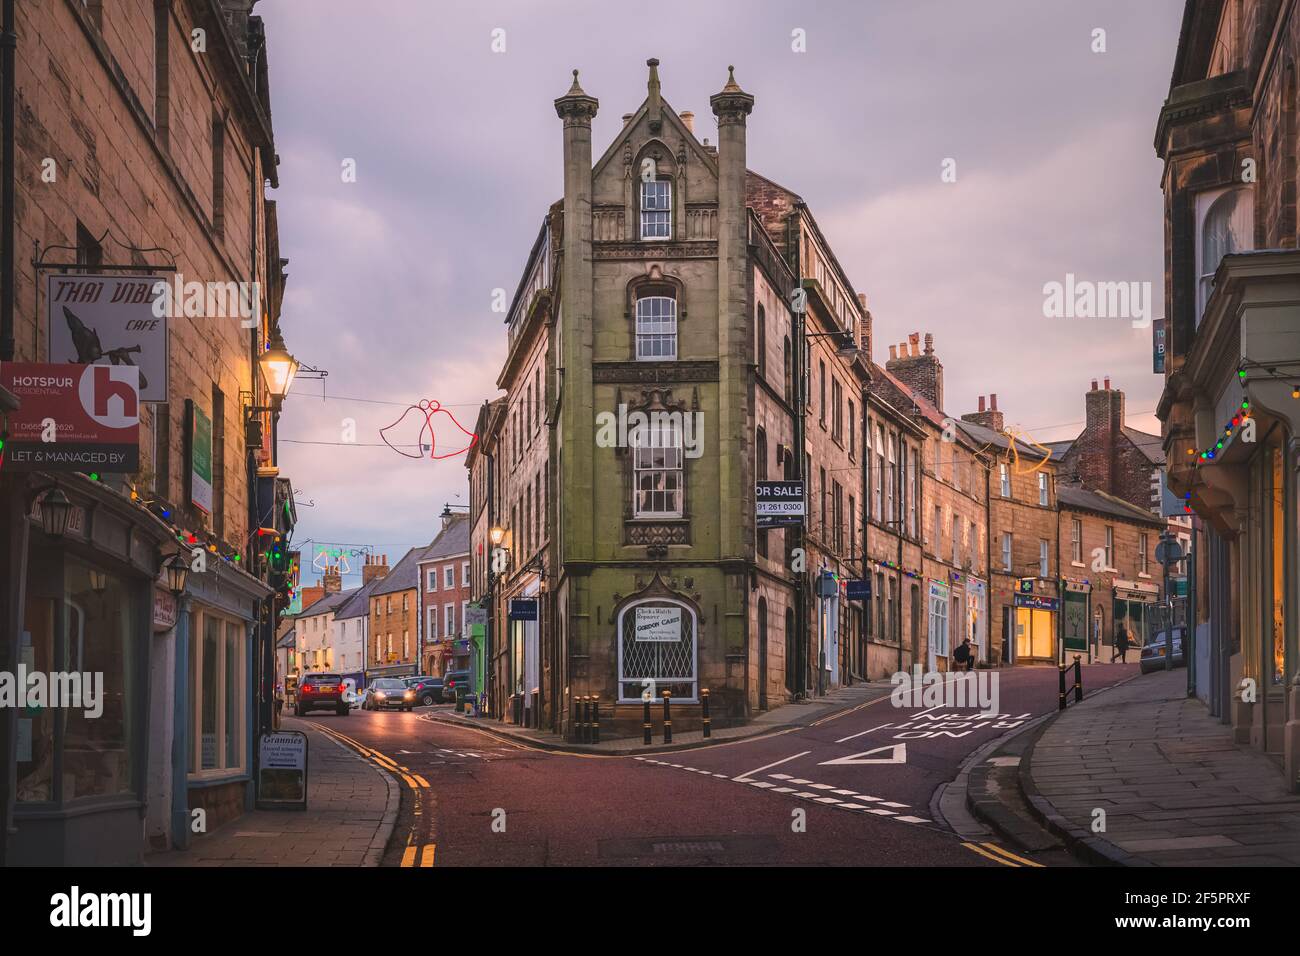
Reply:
x=1122, y=643
x=963, y=655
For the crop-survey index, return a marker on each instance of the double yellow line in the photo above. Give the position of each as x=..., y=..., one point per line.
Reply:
x=998, y=855
x=414, y=855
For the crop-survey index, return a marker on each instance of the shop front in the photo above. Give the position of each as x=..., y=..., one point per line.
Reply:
x=81, y=606
x=1035, y=633
x=1076, y=622
x=1133, y=612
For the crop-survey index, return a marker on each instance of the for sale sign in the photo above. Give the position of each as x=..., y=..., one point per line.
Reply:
x=73, y=417
x=110, y=320
x=778, y=503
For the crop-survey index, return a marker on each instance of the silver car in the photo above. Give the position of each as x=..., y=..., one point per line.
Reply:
x=1152, y=656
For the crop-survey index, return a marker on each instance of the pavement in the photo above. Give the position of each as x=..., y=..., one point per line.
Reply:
x=798, y=714
x=1171, y=786
x=352, y=806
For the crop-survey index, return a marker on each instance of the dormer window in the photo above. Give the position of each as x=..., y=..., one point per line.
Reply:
x=656, y=209
x=656, y=328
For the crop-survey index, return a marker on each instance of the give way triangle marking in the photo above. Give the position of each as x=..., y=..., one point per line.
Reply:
x=897, y=754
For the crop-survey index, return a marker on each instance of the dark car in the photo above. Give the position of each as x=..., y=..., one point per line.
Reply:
x=322, y=692
x=451, y=680
x=1152, y=657
x=428, y=690
x=389, y=692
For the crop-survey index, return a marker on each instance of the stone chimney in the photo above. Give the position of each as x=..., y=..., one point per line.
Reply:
x=333, y=580
x=921, y=372
x=310, y=595
x=988, y=416
x=864, y=333
x=376, y=566
x=688, y=119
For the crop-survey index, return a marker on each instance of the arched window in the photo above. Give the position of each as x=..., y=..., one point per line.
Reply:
x=656, y=328
x=657, y=650
x=1227, y=222
x=761, y=357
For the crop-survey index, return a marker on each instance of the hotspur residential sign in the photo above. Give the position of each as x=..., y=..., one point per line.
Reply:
x=73, y=417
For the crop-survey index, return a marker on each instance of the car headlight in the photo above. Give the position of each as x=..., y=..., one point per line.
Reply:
x=409, y=693
x=379, y=693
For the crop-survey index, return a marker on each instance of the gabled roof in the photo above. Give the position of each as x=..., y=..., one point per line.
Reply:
x=328, y=603
x=405, y=575
x=358, y=604
x=1150, y=445
x=1099, y=502
x=985, y=437
x=286, y=639
x=452, y=541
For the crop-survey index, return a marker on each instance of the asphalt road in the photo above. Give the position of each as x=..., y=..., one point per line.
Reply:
x=851, y=789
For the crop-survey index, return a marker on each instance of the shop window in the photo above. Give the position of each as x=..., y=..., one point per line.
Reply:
x=217, y=655
x=657, y=650
x=79, y=619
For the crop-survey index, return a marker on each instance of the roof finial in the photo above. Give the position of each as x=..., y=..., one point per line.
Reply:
x=732, y=86
x=575, y=89
x=654, y=102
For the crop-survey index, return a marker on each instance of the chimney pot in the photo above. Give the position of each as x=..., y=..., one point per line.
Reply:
x=981, y=403
x=1108, y=383
x=893, y=352
x=929, y=343
x=1094, y=385
x=993, y=401
x=688, y=119
x=862, y=300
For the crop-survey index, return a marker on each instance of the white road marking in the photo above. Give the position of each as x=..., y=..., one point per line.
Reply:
x=897, y=754
x=861, y=733
x=746, y=777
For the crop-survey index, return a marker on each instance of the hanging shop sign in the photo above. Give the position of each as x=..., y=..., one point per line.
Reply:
x=828, y=585
x=858, y=590
x=164, y=610
x=779, y=504
x=198, y=437
x=1037, y=602
x=282, y=771
x=110, y=320
x=663, y=624
x=475, y=615
x=523, y=609
x=73, y=417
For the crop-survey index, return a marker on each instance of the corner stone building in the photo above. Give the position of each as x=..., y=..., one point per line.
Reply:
x=661, y=285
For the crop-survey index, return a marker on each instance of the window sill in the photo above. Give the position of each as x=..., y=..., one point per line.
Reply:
x=1077, y=564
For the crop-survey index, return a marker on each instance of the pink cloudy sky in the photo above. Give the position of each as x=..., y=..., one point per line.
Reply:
x=458, y=154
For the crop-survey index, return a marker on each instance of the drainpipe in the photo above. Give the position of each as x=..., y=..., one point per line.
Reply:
x=8, y=83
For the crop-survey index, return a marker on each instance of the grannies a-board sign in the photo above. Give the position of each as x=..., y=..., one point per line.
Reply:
x=110, y=320
x=663, y=624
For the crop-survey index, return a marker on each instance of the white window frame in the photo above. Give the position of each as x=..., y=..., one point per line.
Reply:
x=1205, y=204
x=1042, y=488
x=657, y=450
x=1006, y=552
x=1143, y=563
x=1004, y=477
x=198, y=618
x=431, y=624
x=449, y=620
x=1110, y=547
x=448, y=577
x=938, y=622
x=1076, y=541
x=693, y=679
x=653, y=228
x=655, y=328
x=464, y=574
x=1043, y=558
x=432, y=581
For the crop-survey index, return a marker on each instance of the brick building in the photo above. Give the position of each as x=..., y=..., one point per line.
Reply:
x=1227, y=134
x=141, y=160
x=445, y=590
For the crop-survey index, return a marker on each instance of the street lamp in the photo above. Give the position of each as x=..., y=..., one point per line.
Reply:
x=497, y=535
x=56, y=509
x=98, y=581
x=178, y=570
x=278, y=367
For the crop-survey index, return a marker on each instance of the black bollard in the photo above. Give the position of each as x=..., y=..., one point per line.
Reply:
x=704, y=711
x=577, y=718
x=1060, y=699
x=668, y=717
x=595, y=719
x=1078, y=680
x=586, y=718
x=646, y=718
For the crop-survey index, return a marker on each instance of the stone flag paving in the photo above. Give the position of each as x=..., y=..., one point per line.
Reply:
x=352, y=807
x=1175, y=790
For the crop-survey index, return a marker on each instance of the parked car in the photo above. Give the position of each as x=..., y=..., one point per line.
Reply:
x=321, y=692
x=389, y=692
x=450, y=680
x=1152, y=657
x=428, y=690
x=356, y=697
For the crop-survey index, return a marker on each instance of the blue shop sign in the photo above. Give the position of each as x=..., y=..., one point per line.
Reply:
x=523, y=609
